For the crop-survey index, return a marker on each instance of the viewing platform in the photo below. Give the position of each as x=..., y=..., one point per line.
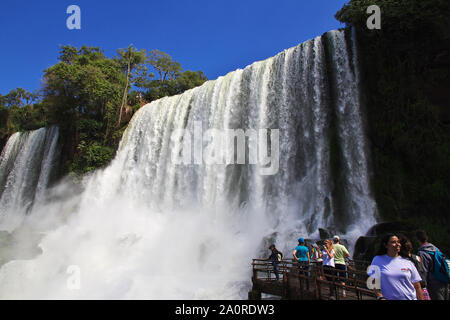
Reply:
x=311, y=284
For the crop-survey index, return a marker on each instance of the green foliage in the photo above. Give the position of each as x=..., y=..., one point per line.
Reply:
x=88, y=95
x=90, y=156
x=156, y=89
x=172, y=80
x=84, y=86
x=405, y=73
x=4, y=117
x=90, y=129
x=190, y=79
x=131, y=62
x=132, y=56
x=164, y=65
x=18, y=113
x=82, y=93
x=401, y=17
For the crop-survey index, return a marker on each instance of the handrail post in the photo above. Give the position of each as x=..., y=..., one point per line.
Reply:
x=255, y=272
x=336, y=286
x=314, y=280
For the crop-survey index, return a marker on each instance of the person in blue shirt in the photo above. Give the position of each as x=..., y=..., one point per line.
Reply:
x=301, y=252
x=301, y=255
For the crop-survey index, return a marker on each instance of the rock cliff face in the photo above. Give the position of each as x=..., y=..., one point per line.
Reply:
x=405, y=70
x=68, y=150
x=3, y=141
x=439, y=94
x=367, y=246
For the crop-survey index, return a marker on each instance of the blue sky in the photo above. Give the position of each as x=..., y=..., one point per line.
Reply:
x=215, y=36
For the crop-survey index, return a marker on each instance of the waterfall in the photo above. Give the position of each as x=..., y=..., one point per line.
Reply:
x=360, y=206
x=175, y=217
x=26, y=165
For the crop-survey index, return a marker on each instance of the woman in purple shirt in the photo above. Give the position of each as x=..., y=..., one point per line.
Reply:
x=398, y=277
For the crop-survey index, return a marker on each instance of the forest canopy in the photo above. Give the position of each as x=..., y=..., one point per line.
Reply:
x=91, y=97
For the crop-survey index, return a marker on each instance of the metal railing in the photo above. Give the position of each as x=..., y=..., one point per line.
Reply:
x=314, y=279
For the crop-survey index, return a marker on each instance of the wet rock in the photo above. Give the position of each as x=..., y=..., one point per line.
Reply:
x=327, y=233
x=390, y=227
x=366, y=247
x=324, y=234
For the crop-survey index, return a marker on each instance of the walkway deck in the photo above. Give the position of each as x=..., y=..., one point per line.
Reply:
x=311, y=284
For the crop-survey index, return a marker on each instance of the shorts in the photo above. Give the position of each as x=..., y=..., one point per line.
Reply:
x=341, y=270
x=329, y=271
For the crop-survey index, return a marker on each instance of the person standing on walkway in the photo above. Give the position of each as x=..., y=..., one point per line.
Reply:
x=438, y=290
x=328, y=263
x=301, y=255
x=406, y=252
x=275, y=257
x=328, y=254
x=399, y=278
x=341, y=253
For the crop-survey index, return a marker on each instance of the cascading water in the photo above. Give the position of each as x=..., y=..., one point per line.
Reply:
x=358, y=202
x=153, y=226
x=26, y=164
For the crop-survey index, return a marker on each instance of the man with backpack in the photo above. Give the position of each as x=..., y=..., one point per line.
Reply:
x=276, y=256
x=436, y=267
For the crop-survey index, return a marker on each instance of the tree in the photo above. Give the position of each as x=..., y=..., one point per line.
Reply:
x=4, y=118
x=131, y=61
x=167, y=68
x=156, y=89
x=19, y=97
x=85, y=84
x=190, y=79
x=67, y=54
x=171, y=79
x=18, y=112
x=82, y=94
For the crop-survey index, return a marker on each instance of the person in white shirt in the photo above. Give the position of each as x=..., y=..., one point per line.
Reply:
x=328, y=264
x=399, y=278
x=328, y=259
